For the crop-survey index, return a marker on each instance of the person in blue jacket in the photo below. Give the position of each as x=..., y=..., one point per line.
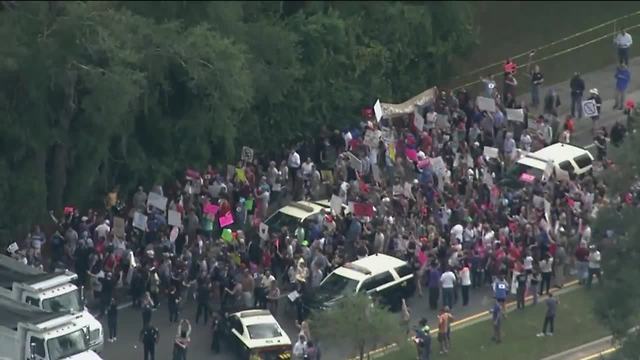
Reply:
x=623, y=76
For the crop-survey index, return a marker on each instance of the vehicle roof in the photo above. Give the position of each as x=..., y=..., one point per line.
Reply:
x=14, y=312
x=375, y=264
x=259, y=316
x=302, y=209
x=9, y=276
x=556, y=153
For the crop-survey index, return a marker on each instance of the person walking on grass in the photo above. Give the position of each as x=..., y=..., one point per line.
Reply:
x=550, y=315
x=577, y=89
x=623, y=77
x=521, y=281
x=623, y=42
x=497, y=317
x=500, y=290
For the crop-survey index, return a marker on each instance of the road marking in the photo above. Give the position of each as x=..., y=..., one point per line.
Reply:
x=599, y=354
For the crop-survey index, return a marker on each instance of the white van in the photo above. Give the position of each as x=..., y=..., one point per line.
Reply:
x=560, y=159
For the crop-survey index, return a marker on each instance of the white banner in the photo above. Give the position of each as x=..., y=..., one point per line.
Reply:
x=486, y=104
x=157, y=201
x=140, y=221
x=377, y=109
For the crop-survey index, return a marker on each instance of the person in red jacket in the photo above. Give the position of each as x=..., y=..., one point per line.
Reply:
x=582, y=261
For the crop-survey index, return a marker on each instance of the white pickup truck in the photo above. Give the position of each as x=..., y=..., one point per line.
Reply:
x=28, y=333
x=52, y=292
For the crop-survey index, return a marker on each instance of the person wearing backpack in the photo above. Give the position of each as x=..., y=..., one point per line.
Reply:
x=149, y=337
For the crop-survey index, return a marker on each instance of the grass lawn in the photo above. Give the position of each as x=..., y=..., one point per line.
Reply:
x=506, y=29
x=575, y=325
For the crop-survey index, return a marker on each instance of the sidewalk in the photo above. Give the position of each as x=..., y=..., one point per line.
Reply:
x=593, y=350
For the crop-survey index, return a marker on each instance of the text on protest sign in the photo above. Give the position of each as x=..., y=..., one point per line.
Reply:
x=157, y=201
x=515, y=115
x=590, y=108
x=486, y=104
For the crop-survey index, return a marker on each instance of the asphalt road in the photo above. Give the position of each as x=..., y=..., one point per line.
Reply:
x=130, y=320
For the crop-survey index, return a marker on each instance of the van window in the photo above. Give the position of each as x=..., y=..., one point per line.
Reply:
x=32, y=301
x=377, y=281
x=583, y=161
x=566, y=166
x=404, y=270
x=38, y=346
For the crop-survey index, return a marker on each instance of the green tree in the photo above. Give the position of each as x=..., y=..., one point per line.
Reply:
x=617, y=297
x=359, y=323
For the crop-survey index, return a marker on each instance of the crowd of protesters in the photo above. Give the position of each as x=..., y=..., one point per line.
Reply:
x=438, y=201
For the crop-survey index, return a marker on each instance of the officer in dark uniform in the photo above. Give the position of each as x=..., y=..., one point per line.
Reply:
x=423, y=340
x=149, y=337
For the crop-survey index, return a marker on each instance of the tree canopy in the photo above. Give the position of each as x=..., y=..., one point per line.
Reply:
x=98, y=94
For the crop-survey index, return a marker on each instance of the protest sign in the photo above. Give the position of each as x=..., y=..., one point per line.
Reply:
x=354, y=162
x=294, y=294
x=118, y=227
x=227, y=235
x=13, y=247
x=68, y=210
x=514, y=282
x=174, y=218
x=140, y=221
x=438, y=166
x=247, y=154
x=590, y=108
x=515, y=115
x=336, y=204
x=192, y=174
x=264, y=231
x=486, y=104
x=527, y=178
x=241, y=175
x=210, y=209
x=407, y=190
x=363, y=209
x=423, y=163
x=226, y=220
x=391, y=149
x=491, y=152
x=377, y=109
x=157, y=201
x=372, y=138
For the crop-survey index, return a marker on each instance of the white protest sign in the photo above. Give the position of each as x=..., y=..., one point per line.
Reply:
x=438, y=166
x=589, y=108
x=486, y=104
x=336, y=204
x=174, y=218
x=372, y=138
x=140, y=221
x=514, y=282
x=491, y=152
x=515, y=115
x=377, y=109
x=247, y=154
x=294, y=294
x=547, y=211
x=157, y=201
x=354, y=162
x=407, y=190
x=13, y=247
x=263, y=231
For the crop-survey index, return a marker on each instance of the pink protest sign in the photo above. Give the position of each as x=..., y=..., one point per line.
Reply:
x=423, y=163
x=528, y=178
x=363, y=209
x=411, y=154
x=226, y=220
x=210, y=209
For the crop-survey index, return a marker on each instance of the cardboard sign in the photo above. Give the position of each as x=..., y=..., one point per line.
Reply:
x=363, y=209
x=377, y=109
x=13, y=247
x=118, y=227
x=336, y=204
x=486, y=104
x=174, y=218
x=140, y=221
x=226, y=220
x=590, y=108
x=515, y=115
x=294, y=294
x=157, y=201
x=247, y=154
x=354, y=162
x=491, y=152
x=173, y=235
x=264, y=231
x=210, y=209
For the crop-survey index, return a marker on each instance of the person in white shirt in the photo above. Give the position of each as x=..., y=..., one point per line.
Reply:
x=447, y=280
x=293, y=163
x=465, y=281
x=525, y=141
x=299, y=348
x=623, y=42
x=594, y=265
x=546, y=265
x=102, y=230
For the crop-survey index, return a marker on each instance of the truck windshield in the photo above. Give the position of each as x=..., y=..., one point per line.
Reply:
x=67, y=345
x=66, y=302
x=335, y=286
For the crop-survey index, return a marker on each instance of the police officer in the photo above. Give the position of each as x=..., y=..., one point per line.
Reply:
x=423, y=340
x=149, y=337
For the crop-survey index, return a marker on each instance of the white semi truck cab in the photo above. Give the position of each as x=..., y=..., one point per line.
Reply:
x=29, y=333
x=53, y=292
